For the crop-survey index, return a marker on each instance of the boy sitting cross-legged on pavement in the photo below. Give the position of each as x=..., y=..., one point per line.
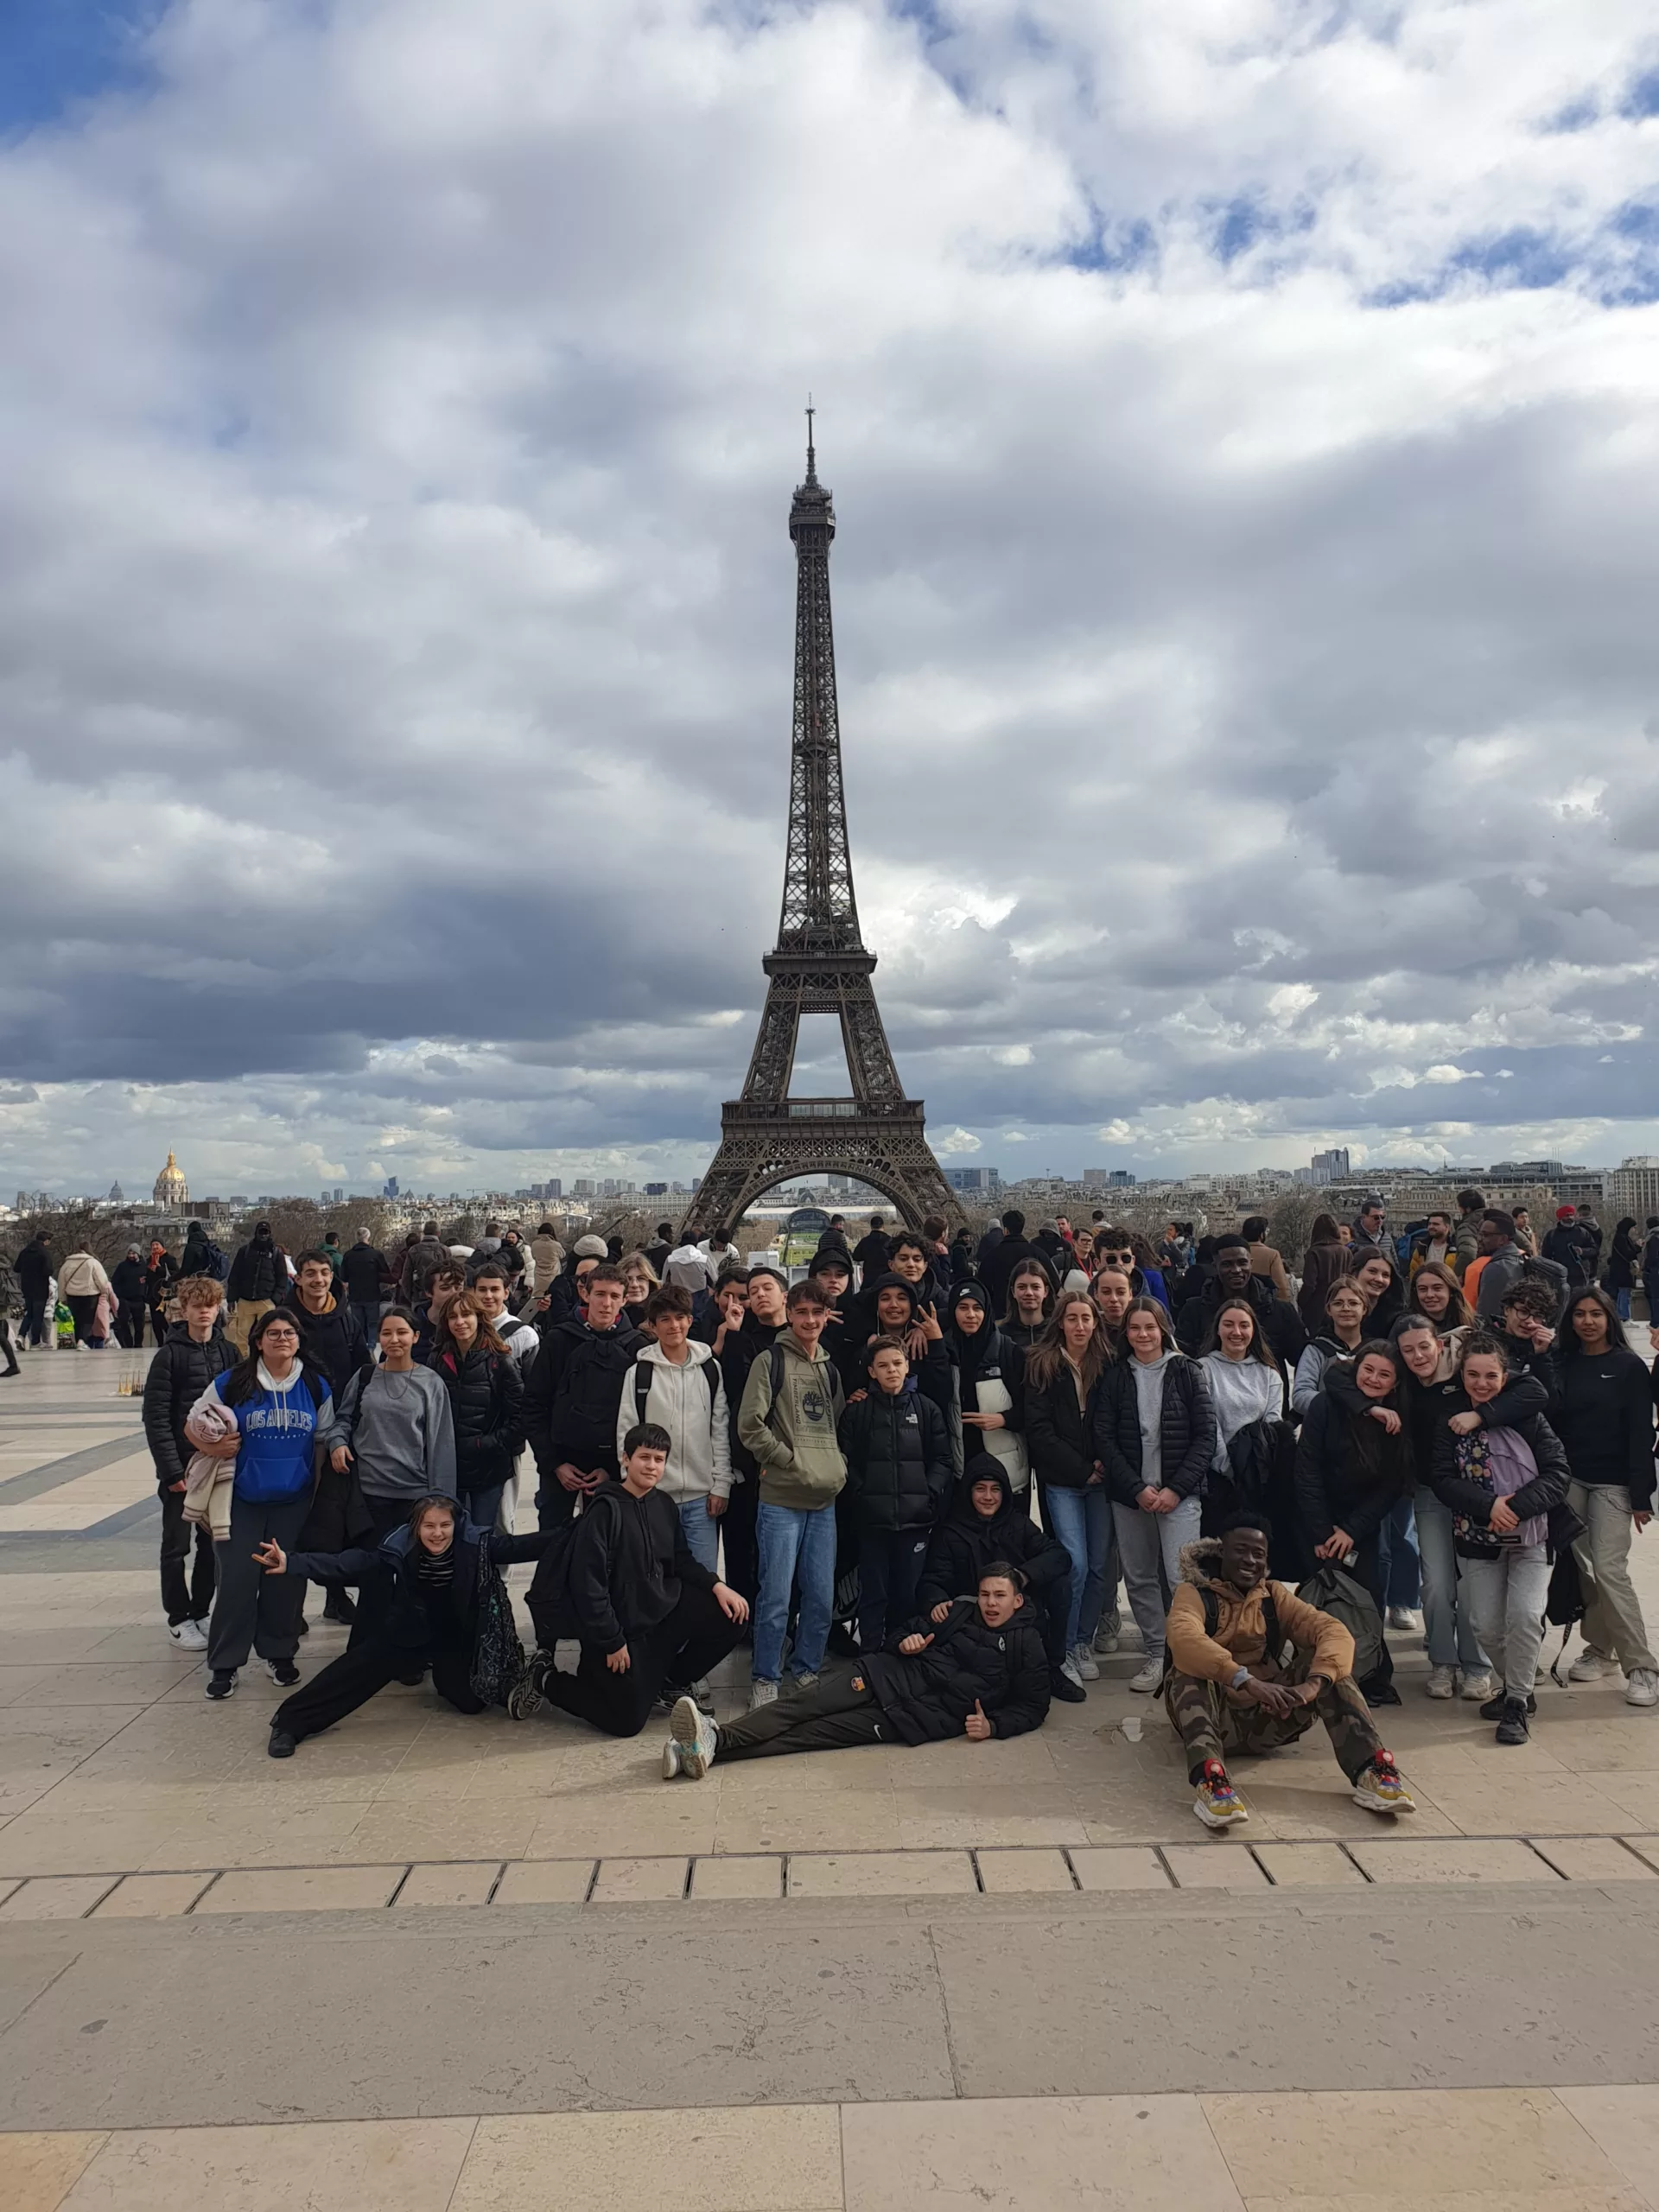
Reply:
x=1228, y=1689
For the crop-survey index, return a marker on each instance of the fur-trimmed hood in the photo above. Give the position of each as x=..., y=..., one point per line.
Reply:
x=1200, y=1561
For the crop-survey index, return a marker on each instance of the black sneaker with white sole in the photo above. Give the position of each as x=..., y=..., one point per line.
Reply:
x=221, y=1686
x=282, y=1672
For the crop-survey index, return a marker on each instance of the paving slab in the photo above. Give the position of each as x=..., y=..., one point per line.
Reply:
x=37, y=2171
x=1308, y=1865
x=1214, y=1866
x=152, y=1896
x=724, y=1878
x=545, y=1881
x=1007, y=1873
x=1037, y=2008
x=1449, y=1858
x=1493, y=2146
x=1107, y=2154
x=774, y=2158
x=396, y=2013
x=1113, y=1867
x=458, y=1883
x=883, y=1874
x=1623, y=2122
x=636, y=1881
x=55, y=1896
x=296, y=1889
x=409, y=2165
x=1593, y=1859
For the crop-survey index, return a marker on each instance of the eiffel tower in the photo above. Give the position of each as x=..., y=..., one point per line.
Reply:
x=820, y=964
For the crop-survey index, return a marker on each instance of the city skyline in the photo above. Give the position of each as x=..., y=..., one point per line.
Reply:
x=1247, y=662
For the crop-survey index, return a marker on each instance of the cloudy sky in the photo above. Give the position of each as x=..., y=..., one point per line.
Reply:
x=1242, y=419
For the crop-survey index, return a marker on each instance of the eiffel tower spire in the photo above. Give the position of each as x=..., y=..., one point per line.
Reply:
x=819, y=964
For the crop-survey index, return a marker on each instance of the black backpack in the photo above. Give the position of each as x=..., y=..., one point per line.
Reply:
x=642, y=1375
x=1329, y=1591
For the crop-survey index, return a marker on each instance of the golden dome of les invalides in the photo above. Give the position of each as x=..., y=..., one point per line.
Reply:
x=171, y=1189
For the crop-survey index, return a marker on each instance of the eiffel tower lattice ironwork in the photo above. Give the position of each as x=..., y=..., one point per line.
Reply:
x=820, y=964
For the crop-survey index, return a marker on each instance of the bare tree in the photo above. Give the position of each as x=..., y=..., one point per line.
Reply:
x=1292, y=1217
x=80, y=1229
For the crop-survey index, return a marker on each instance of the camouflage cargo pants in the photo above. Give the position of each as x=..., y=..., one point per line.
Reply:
x=1212, y=1722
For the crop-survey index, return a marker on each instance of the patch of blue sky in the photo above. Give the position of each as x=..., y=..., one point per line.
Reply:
x=1617, y=264
x=59, y=55
x=1115, y=245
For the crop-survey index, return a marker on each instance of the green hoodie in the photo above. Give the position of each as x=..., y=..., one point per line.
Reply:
x=794, y=1438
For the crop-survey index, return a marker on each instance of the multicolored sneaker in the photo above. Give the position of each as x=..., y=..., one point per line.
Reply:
x=1380, y=1789
x=673, y=1760
x=1217, y=1804
x=696, y=1737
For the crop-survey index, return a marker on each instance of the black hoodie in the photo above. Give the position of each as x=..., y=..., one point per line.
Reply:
x=965, y=1543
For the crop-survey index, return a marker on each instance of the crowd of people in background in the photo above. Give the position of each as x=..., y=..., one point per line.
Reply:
x=924, y=1483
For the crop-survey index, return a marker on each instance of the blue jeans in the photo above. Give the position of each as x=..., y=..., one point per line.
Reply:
x=483, y=1505
x=1447, y=1615
x=1082, y=1519
x=1622, y=1299
x=795, y=1545
x=1400, y=1550
x=702, y=1532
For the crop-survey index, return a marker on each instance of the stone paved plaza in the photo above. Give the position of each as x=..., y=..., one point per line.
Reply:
x=444, y=1962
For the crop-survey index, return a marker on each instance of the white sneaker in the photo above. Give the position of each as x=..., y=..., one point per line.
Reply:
x=670, y=1760
x=1107, y=1640
x=1590, y=1666
x=1069, y=1669
x=695, y=1739
x=806, y=1681
x=1404, y=1617
x=1150, y=1674
x=1442, y=1682
x=761, y=1694
x=1083, y=1660
x=1476, y=1689
x=188, y=1635
x=1642, y=1688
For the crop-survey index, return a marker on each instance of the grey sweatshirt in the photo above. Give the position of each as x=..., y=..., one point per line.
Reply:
x=1149, y=1403
x=400, y=1432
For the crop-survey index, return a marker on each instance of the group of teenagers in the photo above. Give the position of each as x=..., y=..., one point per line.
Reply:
x=946, y=1476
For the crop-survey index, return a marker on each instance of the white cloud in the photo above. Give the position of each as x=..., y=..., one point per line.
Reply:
x=1241, y=419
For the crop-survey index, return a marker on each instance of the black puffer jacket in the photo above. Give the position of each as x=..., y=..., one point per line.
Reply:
x=573, y=1391
x=180, y=1372
x=966, y=1543
x=1340, y=1485
x=929, y=1697
x=1186, y=1438
x=898, y=1453
x=128, y=1279
x=487, y=1403
x=257, y=1271
x=1060, y=1434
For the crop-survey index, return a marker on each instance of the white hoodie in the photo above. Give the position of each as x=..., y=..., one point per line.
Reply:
x=696, y=1417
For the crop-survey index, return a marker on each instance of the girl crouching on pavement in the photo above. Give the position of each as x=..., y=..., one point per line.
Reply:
x=441, y=1603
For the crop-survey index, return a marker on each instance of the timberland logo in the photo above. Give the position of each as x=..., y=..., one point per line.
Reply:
x=812, y=1404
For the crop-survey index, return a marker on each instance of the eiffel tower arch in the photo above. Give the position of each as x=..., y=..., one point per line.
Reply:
x=820, y=963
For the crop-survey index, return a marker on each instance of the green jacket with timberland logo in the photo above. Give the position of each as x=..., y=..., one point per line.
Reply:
x=793, y=1436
